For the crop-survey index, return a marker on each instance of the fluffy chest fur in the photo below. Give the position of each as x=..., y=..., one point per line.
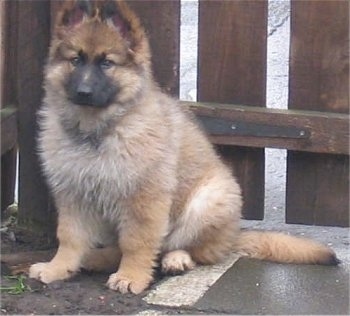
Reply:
x=98, y=168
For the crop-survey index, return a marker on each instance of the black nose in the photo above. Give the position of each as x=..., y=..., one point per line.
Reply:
x=84, y=90
x=84, y=94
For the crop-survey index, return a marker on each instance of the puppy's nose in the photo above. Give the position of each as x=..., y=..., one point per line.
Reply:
x=84, y=90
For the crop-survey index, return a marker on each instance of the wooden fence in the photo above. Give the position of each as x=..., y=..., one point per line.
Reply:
x=231, y=93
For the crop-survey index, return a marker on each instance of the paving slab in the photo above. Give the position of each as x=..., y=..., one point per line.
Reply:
x=263, y=288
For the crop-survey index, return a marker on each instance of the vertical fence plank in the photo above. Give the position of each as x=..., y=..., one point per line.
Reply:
x=318, y=185
x=232, y=69
x=8, y=178
x=8, y=95
x=9, y=86
x=33, y=39
x=2, y=49
x=55, y=6
x=161, y=20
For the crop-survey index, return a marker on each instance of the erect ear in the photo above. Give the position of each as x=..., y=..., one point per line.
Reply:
x=73, y=13
x=117, y=14
x=111, y=13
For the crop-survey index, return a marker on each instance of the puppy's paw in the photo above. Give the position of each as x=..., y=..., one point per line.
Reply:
x=127, y=283
x=47, y=272
x=177, y=262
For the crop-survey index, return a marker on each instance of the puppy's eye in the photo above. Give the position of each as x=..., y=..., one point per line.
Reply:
x=106, y=64
x=76, y=61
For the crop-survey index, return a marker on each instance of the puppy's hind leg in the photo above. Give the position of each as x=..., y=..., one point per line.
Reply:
x=73, y=245
x=209, y=224
x=177, y=262
x=102, y=259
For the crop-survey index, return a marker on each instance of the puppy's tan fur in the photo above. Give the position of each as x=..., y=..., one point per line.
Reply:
x=138, y=178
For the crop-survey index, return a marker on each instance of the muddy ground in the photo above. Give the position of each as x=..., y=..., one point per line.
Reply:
x=85, y=293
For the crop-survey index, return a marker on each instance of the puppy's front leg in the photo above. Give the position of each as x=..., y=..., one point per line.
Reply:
x=140, y=240
x=73, y=245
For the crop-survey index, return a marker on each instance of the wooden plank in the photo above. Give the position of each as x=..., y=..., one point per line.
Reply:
x=12, y=260
x=232, y=69
x=318, y=185
x=9, y=86
x=318, y=189
x=33, y=22
x=8, y=96
x=319, y=78
x=8, y=129
x=2, y=49
x=163, y=28
x=8, y=179
x=55, y=6
x=20, y=262
x=313, y=131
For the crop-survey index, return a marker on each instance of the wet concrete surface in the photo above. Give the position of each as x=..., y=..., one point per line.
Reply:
x=258, y=287
x=255, y=287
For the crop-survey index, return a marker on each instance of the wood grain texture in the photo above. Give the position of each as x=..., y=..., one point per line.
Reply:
x=318, y=189
x=9, y=86
x=32, y=42
x=8, y=179
x=319, y=76
x=318, y=128
x=55, y=6
x=8, y=129
x=318, y=185
x=232, y=69
x=2, y=48
x=8, y=96
x=161, y=20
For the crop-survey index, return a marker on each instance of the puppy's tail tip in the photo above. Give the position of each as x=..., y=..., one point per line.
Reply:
x=332, y=260
x=284, y=248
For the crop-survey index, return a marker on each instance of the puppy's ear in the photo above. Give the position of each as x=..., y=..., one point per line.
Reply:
x=118, y=15
x=72, y=14
x=110, y=13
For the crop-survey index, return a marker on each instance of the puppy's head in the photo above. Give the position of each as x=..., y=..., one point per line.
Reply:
x=99, y=54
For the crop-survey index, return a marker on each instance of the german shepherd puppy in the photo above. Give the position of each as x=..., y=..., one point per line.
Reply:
x=135, y=180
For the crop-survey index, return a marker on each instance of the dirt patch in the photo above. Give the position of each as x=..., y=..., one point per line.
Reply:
x=85, y=293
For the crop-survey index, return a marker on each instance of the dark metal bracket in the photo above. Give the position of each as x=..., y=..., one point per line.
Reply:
x=217, y=126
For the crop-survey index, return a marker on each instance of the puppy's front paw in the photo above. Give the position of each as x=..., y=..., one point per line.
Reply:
x=126, y=283
x=47, y=272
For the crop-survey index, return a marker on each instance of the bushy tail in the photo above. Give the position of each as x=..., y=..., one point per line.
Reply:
x=283, y=248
